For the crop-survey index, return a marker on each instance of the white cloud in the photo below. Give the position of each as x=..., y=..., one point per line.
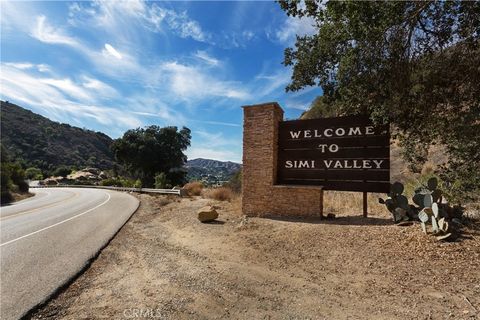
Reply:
x=112, y=51
x=219, y=123
x=295, y=26
x=202, y=55
x=61, y=99
x=123, y=17
x=68, y=87
x=48, y=34
x=190, y=82
x=214, y=146
x=20, y=65
x=195, y=152
x=178, y=22
x=272, y=83
x=99, y=87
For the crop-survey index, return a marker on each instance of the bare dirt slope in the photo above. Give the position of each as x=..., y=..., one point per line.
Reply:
x=167, y=265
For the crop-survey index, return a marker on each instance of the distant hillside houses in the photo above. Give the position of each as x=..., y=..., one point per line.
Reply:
x=211, y=172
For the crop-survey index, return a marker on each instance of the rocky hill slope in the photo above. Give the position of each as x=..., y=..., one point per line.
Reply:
x=40, y=142
x=211, y=170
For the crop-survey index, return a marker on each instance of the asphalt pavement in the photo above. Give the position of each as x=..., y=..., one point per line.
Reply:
x=47, y=239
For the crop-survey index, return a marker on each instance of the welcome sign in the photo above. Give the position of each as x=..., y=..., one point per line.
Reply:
x=343, y=153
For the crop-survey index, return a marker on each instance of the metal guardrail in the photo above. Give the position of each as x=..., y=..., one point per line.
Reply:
x=175, y=191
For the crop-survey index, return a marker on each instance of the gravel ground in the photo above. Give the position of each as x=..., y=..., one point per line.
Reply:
x=165, y=264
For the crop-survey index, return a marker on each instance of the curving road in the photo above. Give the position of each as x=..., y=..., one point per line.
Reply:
x=47, y=239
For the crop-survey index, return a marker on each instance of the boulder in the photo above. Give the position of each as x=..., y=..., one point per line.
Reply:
x=207, y=214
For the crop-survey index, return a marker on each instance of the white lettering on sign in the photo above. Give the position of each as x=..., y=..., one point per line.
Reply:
x=369, y=130
x=331, y=148
x=300, y=164
x=352, y=164
x=354, y=131
x=338, y=132
x=295, y=135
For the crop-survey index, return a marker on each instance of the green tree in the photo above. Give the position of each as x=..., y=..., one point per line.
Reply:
x=33, y=173
x=320, y=109
x=413, y=64
x=144, y=152
x=12, y=177
x=62, y=171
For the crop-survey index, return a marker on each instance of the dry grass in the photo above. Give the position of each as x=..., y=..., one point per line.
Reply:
x=351, y=203
x=193, y=188
x=220, y=194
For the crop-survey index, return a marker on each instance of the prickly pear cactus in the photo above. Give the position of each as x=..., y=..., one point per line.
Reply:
x=429, y=208
x=397, y=203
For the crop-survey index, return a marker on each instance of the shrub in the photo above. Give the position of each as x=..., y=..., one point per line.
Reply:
x=111, y=182
x=193, y=188
x=62, y=171
x=137, y=184
x=161, y=181
x=235, y=182
x=221, y=194
x=22, y=186
x=6, y=197
x=33, y=174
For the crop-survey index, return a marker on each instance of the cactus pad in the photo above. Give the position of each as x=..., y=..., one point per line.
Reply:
x=427, y=200
x=435, y=209
x=432, y=183
x=418, y=199
x=397, y=188
x=423, y=216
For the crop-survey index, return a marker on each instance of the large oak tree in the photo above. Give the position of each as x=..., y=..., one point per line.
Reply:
x=146, y=152
x=415, y=64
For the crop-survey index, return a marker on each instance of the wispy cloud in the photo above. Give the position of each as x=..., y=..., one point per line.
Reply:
x=113, y=15
x=219, y=123
x=295, y=26
x=61, y=98
x=205, y=57
x=27, y=65
x=214, y=146
x=48, y=34
x=179, y=22
x=191, y=82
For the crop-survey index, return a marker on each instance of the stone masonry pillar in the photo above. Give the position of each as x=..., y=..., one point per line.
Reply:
x=260, y=194
x=260, y=136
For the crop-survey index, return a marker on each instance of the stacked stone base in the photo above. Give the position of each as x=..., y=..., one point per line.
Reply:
x=261, y=195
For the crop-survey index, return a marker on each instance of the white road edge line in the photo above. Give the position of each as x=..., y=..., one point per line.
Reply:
x=58, y=223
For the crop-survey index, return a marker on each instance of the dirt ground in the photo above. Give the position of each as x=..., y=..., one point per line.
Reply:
x=165, y=264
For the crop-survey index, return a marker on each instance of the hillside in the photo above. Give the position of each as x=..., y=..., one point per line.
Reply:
x=43, y=143
x=211, y=171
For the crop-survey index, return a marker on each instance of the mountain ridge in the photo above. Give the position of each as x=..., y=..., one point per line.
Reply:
x=37, y=141
x=211, y=171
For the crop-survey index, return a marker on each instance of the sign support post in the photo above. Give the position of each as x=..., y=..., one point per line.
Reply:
x=321, y=203
x=365, y=205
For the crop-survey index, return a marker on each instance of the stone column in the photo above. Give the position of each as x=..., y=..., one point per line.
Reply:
x=260, y=194
x=260, y=135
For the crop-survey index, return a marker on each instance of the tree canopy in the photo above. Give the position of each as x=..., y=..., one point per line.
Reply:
x=152, y=150
x=415, y=64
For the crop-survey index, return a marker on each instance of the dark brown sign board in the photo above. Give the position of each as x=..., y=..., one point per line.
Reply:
x=344, y=153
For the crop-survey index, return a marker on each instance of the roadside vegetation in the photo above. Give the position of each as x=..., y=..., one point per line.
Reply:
x=13, y=184
x=154, y=155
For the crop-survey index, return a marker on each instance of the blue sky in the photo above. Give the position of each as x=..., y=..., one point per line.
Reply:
x=112, y=66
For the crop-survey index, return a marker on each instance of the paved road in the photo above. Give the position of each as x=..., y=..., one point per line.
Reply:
x=47, y=239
